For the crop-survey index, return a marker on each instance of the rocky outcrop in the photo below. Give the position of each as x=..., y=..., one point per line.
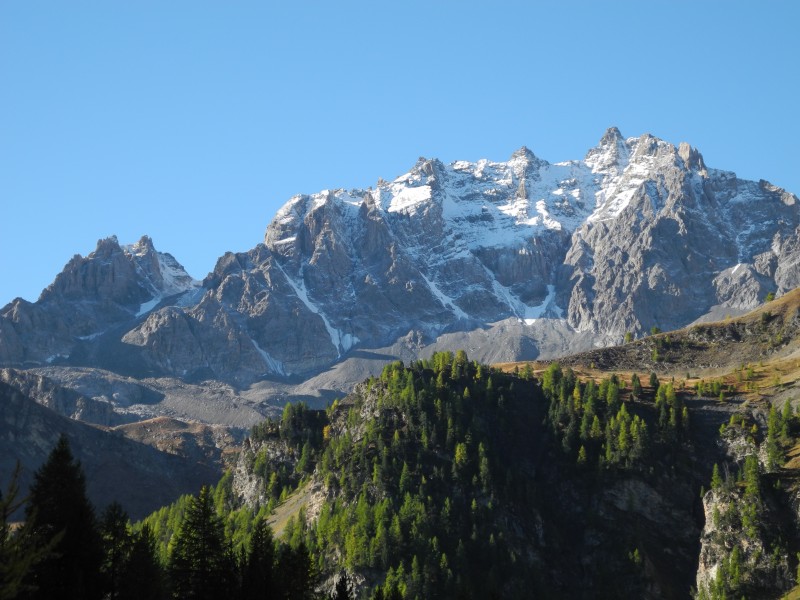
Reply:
x=743, y=545
x=64, y=401
x=256, y=459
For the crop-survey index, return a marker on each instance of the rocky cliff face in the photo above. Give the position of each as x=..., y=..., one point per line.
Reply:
x=750, y=525
x=64, y=401
x=639, y=233
x=112, y=286
x=540, y=258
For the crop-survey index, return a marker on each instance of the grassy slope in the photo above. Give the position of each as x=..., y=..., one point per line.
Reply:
x=767, y=340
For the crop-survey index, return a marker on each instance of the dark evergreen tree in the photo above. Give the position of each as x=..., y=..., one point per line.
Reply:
x=58, y=505
x=143, y=577
x=654, y=380
x=258, y=572
x=199, y=563
x=343, y=588
x=636, y=386
x=294, y=572
x=117, y=542
x=19, y=550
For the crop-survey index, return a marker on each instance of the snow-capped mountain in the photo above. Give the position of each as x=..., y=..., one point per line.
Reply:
x=93, y=295
x=512, y=259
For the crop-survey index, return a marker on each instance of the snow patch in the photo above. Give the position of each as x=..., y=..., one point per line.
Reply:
x=176, y=279
x=89, y=337
x=146, y=307
x=342, y=342
x=190, y=297
x=407, y=198
x=446, y=300
x=548, y=305
x=272, y=364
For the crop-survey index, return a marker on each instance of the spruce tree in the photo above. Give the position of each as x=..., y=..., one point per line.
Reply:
x=258, y=577
x=20, y=551
x=117, y=541
x=294, y=571
x=59, y=506
x=143, y=577
x=636, y=386
x=199, y=563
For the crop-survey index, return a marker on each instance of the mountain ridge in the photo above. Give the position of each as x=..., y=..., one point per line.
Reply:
x=517, y=260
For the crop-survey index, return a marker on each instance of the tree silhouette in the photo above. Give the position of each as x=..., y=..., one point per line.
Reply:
x=19, y=549
x=143, y=577
x=117, y=542
x=59, y=505
x=343, y=588
x=258, y=571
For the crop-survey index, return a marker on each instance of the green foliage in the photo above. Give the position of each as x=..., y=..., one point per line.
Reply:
x=774, y=428
x=258, y=566
x=199, y=564
x=752, y=490
x=636, y=386
x=653, y=380
x=716, y=478
x=414, y=496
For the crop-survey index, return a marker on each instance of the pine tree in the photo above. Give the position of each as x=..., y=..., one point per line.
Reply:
x=636, y=386
x=199, y=564
x=716, y=478
x=653, y=380
x=258, y=577
x=20, y=551
x=294, y=572
x=786, y=417
x=752, y=488
x=143, y=576
x=774, y=454
x=117, y=541
x=59, y=505
x=582, y=456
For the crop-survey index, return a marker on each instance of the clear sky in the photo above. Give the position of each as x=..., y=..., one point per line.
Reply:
x=193, y=121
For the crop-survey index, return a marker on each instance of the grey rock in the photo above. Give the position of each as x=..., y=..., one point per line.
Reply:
x=519, y=259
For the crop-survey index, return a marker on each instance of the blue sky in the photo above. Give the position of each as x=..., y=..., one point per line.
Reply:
x=193, y=122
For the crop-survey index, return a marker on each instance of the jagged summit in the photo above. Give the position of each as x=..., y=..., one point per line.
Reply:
x=525, y=153
x=611, y=137
x=516, y=259
x=91, y=295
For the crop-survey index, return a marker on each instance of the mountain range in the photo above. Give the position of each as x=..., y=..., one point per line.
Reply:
x=514, y=260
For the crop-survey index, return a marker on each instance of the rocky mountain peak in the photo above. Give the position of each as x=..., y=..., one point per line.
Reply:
x=108, y=244
x=429, y=167
x=692, y=158
x=524, y=153
x=106, y=272
x=611, y=138
x=610, y=154
x=143, y=246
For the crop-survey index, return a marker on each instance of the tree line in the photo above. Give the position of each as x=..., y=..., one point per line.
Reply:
x=63, y=549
